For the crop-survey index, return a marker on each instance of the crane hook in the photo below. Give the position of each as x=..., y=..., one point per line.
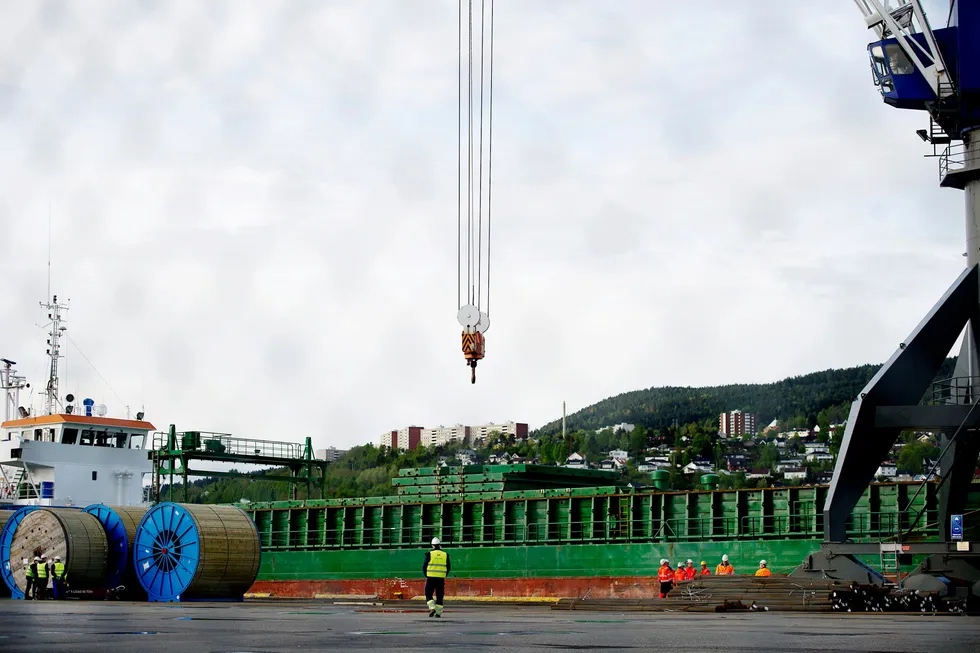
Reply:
x=473, y=350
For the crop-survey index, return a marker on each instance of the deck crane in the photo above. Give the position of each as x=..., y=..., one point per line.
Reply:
x=938, y=71
x=472, y=236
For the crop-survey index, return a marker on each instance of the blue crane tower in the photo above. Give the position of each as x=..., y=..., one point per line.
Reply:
x=936, y=71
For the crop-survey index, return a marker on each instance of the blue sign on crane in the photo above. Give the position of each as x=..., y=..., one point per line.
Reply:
x=956, y=527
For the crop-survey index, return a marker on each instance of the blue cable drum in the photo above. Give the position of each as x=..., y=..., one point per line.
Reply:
x=120, y=524
x=185, y=552
x=6, y=540
x=78, y=538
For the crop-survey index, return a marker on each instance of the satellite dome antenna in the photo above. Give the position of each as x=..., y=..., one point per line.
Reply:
x=936, y=71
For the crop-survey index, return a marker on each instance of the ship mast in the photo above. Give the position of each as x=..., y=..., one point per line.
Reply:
x=54, y=353
x=11, y=383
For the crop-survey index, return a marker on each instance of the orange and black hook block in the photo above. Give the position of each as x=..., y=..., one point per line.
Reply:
x=474, y=346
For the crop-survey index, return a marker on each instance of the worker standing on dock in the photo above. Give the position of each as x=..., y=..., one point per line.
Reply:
x=58, y=577
x=666, y=577
x=763, y=569
x=30, y=571
x=679, y=573
x=704, y=569
x=41, y=582
x=435, y=568
x=725, y=568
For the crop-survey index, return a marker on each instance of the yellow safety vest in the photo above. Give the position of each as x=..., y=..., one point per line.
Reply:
x=59, y=569
x=437, y=564
x=42, y=570
x=29, y=571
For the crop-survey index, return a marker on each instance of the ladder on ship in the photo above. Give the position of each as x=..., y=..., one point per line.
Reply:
x=889, y=561
x=17, y=483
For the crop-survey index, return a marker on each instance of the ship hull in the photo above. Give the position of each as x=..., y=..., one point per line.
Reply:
x=527, y=572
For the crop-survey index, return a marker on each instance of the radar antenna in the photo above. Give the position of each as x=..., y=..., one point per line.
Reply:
x=54, y=308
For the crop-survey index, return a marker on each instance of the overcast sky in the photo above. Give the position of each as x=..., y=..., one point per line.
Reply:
x=253, y=206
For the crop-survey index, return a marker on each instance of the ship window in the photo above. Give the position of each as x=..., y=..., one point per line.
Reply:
x=878, y=61
x=121, y=440
x=69, y=436
x=136, y=440
x=95, y=476
x=102, y=439
x=87, y=437
x=898, y=61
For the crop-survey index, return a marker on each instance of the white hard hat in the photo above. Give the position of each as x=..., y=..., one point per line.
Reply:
x=762, y=562
x=724, y=558
x=664, y=561
x=435, y=541
x=37, y=559
x=690, y=562
x=58, y=558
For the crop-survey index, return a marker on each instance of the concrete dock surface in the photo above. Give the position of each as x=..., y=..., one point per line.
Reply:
x=260, y=627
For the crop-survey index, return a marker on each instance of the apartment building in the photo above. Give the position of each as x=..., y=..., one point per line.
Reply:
x=735, y=423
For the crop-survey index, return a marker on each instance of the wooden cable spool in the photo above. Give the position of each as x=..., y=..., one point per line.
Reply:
x=120, y=524
x=74, y=535
x=196, y=551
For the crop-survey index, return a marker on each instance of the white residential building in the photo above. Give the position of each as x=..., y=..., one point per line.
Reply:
x=616, y=428
x=887, y=469
x=820, y=457
x=795, y=473
x=331, y=454
x=434, y=437
x=798, y=433
x=789, y=463
x=575, y=460
x=619, y=453
x=517, y=429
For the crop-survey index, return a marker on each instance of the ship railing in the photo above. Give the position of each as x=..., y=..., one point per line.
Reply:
x=223, y=443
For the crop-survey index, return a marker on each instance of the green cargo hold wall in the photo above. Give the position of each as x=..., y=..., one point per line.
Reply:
x=583, y=516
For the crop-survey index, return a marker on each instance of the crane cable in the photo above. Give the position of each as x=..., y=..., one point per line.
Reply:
x=474, y=309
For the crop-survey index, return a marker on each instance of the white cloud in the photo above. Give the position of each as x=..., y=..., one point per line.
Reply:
x=254, y=206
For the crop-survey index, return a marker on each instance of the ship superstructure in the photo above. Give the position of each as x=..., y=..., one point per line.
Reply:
x=64, y=457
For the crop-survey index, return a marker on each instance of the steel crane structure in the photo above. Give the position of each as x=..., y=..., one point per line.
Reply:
x=937, y=71
x=473, y=233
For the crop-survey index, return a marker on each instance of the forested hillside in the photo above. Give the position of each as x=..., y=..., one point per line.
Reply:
x=796, y=400
x=683, y=419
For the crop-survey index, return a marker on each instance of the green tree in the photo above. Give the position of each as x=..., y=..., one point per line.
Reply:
x=637, y=442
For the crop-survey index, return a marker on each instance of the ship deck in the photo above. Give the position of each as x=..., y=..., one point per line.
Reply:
x=28, y=627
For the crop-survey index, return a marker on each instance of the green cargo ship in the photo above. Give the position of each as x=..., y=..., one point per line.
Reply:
x=513, y=533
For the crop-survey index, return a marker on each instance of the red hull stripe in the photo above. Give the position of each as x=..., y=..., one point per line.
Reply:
x=600, y=587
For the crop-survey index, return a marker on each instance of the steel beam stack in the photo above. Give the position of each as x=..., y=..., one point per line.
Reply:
x=472, y=482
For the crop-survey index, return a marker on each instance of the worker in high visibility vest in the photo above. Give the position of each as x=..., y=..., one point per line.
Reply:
x=725, y=568
x=435, y=568
x=704, y=569
x=666, y=577
x=30, y=571
x=689, y=571
x=41, y=583
x=679, y=574
x=763, y=569
x=58, y=576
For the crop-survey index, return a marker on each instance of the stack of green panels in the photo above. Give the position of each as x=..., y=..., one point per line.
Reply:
x=489, y=481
